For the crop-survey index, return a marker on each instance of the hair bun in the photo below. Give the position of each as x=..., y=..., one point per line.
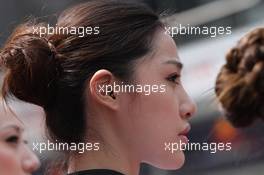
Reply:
x=31, y=66
x=240, y=83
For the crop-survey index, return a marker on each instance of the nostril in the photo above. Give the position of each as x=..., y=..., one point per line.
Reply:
x=188, y=115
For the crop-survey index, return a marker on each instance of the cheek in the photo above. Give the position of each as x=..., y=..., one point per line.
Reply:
x=159, y=113
x=156, y=122
x=10, y=163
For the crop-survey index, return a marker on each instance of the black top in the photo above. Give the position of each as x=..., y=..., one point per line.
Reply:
x=97, y=172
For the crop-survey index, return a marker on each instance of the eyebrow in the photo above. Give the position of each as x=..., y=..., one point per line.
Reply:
x=174, y=62
x=15, y=127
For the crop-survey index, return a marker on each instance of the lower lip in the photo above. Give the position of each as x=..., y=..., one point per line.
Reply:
x=184, y=139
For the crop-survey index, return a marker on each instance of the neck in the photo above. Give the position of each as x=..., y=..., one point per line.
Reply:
x=112, y=154
x=103, y=160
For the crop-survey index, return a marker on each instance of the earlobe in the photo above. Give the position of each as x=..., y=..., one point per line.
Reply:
x=101, y=89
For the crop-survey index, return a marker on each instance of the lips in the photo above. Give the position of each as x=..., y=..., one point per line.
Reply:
x=183, y=135
x=185, y=131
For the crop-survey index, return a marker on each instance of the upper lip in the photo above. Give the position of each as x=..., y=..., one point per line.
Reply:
x=186, y=130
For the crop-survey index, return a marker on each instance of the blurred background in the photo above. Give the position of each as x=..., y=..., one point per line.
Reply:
x=202, y=56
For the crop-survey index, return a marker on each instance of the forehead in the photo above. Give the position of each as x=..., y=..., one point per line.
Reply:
x=164, y=56
x=8, y=118
x=165, y=47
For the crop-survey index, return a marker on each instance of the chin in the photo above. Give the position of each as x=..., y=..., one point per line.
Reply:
x=170, y=161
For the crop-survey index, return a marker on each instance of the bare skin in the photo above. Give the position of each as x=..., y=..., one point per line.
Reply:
x=15, y=156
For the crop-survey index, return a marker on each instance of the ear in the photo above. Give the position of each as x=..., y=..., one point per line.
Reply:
x=101, y=89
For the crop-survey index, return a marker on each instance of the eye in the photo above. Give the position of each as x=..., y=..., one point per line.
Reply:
x=12, y=139
x=175, y=78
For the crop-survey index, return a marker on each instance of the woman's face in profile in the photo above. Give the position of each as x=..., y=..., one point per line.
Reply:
x=161, y=118
x=15, y=156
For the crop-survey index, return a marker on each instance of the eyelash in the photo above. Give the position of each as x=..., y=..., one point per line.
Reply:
x=174, y=77
x=13, y=139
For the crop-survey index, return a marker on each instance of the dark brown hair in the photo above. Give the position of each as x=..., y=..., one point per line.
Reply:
x=240, y=83
x=52, y=71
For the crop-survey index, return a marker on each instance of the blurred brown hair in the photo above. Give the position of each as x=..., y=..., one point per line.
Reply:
x=240, y=83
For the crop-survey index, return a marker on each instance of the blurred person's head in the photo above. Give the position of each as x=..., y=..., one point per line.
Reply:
x=62, y=74
x=240, y=83
x=15, y=156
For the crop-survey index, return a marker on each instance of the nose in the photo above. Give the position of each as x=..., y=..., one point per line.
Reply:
x=187, y=108
x=30, y=161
